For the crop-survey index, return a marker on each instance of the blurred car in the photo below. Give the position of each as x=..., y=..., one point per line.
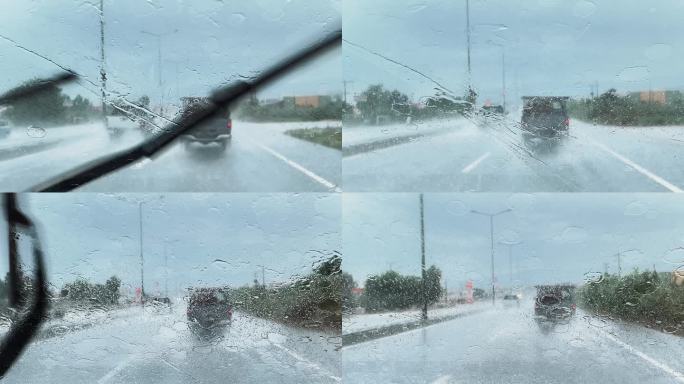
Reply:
x=545, y=116
x=216, y=130
x=209, y=308
x=555, y=302
x=161, y=300
x=4, y=129
x=511, y=299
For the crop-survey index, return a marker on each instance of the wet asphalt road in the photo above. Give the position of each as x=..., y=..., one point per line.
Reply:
x=507, y=345
x=493, y=156
x=155, y=346
x=260, y=158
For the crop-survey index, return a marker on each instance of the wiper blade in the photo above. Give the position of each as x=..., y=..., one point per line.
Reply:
x=219, y=99
x=36, y=87
x=23, y=330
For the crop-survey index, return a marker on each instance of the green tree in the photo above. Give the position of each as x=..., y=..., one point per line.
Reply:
x=348, y=284
x=377, y=101
x=433, y=284
x=112, y=286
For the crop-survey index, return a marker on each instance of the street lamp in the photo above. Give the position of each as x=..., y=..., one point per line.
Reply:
x=491, y=237
x=159, y=64
x=510, y=263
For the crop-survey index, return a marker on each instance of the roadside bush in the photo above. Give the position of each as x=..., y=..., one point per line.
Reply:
x=644, y=297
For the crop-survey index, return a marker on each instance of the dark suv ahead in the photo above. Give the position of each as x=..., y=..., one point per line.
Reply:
x=555, y=302
x=218, y=129
x=209, y=308
x=545, y=116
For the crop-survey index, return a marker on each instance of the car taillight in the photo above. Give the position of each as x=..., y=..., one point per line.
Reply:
x=229, y=125
x=566, y=121
x=574, y=306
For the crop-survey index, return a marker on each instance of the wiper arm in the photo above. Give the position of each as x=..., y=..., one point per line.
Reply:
x=219, y=99
x=37, y=86
x=23, y=330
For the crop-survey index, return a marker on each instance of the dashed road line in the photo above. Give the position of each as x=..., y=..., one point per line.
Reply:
x=118, y=368
x=442, y=379
x=662, y=366
x=468, y=168
x=671, y=187
x=307, y=362
x=300, y=168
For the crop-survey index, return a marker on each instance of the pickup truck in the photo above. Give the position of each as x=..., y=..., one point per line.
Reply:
x=545, y=116
x=217, y=130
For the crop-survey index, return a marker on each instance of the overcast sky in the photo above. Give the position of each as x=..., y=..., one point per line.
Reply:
x=553, y=47
x=96, y=235
x=205, y=43
x=560, y=237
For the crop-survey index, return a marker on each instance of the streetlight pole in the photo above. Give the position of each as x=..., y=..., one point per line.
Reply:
x=619, y=261
x=103, y=73
x=468, y=41
x=422, y=258
x=491, y=238
x=159, y=66
x=142, y=260
x=503, y=78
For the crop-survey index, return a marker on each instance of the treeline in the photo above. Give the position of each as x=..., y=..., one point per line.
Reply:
x=394, y=291
x=82, y=291
x=50, y=106
x=329, y=108
x=649, y=298
x=312, y=301
x=613, y=109
x=77, y=294
x=377, y=105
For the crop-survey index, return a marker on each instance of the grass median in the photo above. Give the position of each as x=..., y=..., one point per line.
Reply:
x=330, y=136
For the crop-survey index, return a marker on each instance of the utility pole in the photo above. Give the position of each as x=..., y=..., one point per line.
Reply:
x=345, y=82
x=491, y=239
x=142, y=260
x=103, y=73
x=166, y=273
x=503, y=77
x=468, y=41
x=422, y=257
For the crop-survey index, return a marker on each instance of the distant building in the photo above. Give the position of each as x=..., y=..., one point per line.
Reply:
x=657, y=97
x=357, y=291
x=313, y=101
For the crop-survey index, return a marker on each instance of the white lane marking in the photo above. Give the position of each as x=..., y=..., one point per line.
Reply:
x=308, y=362
x=115, y=371
x=662, y=366
x=442, y=380
x=301, y=169
x=671, y=187
x=475, y=163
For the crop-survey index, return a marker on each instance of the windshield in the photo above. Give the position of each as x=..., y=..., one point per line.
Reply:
x=139, y=63
x=425, y=76
x=597, y=277
x=178, y=288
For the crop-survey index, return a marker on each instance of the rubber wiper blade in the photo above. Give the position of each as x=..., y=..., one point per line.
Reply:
x=25, y=328
x=218, y=100
x=37, y=86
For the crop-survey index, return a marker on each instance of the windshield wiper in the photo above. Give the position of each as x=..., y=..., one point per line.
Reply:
x=219, y=99
x=35, y=87
x=25, y=328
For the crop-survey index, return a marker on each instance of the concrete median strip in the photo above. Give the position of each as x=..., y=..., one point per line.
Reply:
x=390, y=330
